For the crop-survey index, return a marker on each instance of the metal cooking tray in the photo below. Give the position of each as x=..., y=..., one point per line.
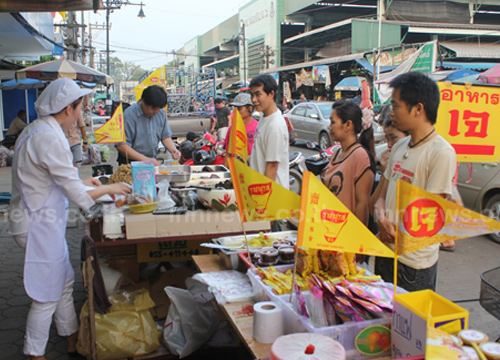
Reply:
x=200, y=177
x=178, y=173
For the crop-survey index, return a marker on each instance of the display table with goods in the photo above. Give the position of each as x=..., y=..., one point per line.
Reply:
x=192, y=205
x=421, y=323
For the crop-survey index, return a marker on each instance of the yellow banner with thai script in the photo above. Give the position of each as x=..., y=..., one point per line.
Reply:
x=238, y=141
x=425, y=219
x=259, y=198
x=469, y=119
x=325, y=223
x=157, y=77
x=113, y=130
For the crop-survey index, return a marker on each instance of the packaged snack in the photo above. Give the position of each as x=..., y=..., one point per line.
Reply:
x=315, y=305
x=143, y=176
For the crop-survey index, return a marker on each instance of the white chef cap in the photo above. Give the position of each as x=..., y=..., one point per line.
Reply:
x=58, y=95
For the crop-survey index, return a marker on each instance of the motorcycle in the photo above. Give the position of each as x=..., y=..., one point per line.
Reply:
x=295, y=172
x=316, y=163
x=208, y=150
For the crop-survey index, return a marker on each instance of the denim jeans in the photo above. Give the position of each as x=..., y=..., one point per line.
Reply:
x=409, y=278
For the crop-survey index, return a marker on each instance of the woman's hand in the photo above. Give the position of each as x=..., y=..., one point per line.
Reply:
x=117, y=189
x=92, y=182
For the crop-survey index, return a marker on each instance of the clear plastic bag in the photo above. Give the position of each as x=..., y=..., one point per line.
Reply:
x=164, y=199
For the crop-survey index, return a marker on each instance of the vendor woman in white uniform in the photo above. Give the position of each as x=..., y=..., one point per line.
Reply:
x=43, y=179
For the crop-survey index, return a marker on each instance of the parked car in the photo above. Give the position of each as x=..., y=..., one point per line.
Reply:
x=310, y=122
x=479, y=186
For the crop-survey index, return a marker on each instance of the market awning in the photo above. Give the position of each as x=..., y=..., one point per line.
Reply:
x=469, y=50
x=319, y=36
x=224, y=63
x=351, y=83
x=476, y=66
x=368, y=66
x=326, y=61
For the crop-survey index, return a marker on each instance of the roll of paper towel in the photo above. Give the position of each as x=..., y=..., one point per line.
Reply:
x=267, y=322
x=303, y=346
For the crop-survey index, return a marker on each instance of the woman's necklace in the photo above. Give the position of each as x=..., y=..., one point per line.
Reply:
x=411, y=146
x=347, y=149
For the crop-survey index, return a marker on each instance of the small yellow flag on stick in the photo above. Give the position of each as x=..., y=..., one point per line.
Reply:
x=325, y=223
x=426, y=219
x=259, y=198
x=238, y=141
x=113, y=131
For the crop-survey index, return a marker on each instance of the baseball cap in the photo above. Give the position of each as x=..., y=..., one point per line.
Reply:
x=242, y=100
x=59, y=94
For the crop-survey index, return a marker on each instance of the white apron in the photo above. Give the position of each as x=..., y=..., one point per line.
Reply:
x=46, y=264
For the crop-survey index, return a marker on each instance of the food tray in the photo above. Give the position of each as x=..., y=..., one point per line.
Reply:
x=200, y=177
x=489, y=297
x=178, y=173
x=230, y=258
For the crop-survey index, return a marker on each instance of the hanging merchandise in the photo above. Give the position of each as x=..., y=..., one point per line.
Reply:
x=303, y=78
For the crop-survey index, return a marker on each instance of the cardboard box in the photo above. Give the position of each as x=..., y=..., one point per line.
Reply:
x=140, y=226
x=180, y=250
x=414, y=311
x=202, y=222
x=156, y=287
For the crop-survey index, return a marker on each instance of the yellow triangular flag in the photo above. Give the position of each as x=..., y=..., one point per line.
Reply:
x=113, y=130
x=157, y=77
x=238, y=141
x=259, y=198
x=426, y=219
x=325, y=223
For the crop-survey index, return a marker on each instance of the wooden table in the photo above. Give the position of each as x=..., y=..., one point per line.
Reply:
x=240, y=313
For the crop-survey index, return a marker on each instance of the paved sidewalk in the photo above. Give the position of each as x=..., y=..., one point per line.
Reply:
x=14, y=303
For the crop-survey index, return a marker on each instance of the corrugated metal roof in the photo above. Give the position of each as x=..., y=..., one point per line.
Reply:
x=468, y=50
x=326, y=61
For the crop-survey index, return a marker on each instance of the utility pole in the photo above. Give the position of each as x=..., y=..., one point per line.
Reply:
x=91, y=48
x=267, y=53
x=82, y=37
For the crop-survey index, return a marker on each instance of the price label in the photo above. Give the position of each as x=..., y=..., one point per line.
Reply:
x=170, y=250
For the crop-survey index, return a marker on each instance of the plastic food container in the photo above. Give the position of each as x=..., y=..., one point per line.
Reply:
x=345, y=334
x=230, y=258
x=173, y=173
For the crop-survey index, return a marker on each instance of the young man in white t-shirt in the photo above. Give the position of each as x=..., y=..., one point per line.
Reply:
x=423, y=159
x=270, y=149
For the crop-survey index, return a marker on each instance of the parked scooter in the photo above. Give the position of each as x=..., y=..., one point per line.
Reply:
x=316, y=163
x=295, y=172
x=206, y=150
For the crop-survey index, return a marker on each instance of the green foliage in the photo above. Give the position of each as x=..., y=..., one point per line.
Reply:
x=124, y=71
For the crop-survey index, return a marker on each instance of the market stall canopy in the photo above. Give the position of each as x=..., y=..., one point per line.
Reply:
x=53, y=70
x=23, y=84
x=450, y=75
x=49, y=5
x=352, y=83
x=491, y=76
